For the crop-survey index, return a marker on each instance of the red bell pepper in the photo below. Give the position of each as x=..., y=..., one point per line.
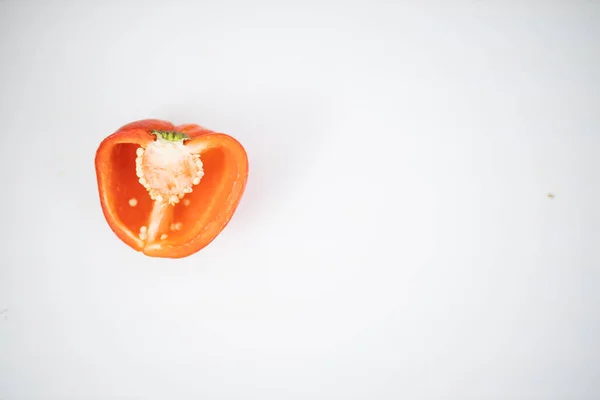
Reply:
x=168, y=191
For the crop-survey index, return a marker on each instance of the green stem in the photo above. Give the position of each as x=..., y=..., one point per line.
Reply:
x=170, y=136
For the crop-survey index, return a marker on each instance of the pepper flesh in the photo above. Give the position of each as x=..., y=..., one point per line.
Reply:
x=168, y=191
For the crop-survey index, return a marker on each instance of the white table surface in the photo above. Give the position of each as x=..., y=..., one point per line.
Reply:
x=396, y=239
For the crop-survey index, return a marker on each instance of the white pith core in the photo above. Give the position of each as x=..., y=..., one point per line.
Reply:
x=168, y=171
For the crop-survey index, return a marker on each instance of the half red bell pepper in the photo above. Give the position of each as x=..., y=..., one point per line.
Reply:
x=168, y=191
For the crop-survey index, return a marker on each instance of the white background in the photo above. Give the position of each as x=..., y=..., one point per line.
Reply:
x=395, y=241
